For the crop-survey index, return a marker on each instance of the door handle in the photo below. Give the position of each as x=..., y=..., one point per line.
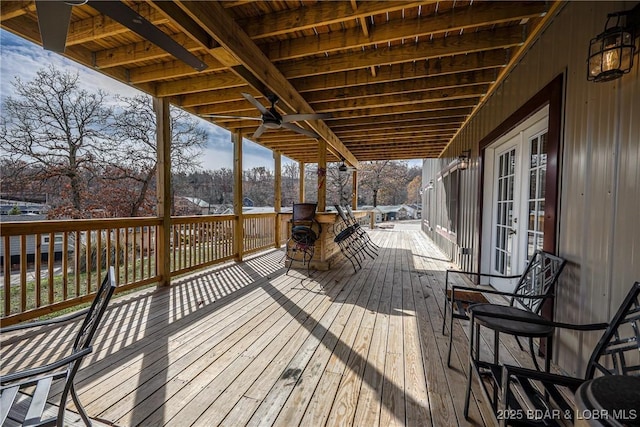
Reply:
x=512, y=231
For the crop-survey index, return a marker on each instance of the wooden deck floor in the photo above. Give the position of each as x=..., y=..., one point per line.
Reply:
x=245, y=344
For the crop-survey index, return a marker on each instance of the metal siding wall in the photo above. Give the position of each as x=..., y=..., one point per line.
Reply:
x=600, y=178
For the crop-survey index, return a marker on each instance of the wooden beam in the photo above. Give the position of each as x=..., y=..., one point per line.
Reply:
x=217, y=22
x=485, y=60
x=456, y=21
x=321, y=14
x=392, y=100
x=163, y=192
x=322, y=176
x=421, y=84
x=354, y=193
x=238, y=241
x=277, y=195
x=301, y=183
x=437, y=48
x=416, y=107
x=99, y=26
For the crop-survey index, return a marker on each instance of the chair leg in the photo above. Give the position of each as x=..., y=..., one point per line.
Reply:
x=446, y=301
x=467, y=397
x=79, y=406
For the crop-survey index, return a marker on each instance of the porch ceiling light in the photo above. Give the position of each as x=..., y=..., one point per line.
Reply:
x=463, y=160
x=611, y=52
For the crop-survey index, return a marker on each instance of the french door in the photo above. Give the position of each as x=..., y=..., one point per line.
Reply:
x=516, y=166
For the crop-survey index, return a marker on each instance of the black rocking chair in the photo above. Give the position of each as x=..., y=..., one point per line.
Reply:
x=527, y=391
x=43, y=377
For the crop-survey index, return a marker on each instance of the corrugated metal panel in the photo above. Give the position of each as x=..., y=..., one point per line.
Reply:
x=600, y=174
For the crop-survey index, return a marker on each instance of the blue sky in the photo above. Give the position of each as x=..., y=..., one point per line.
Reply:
x=19, y=57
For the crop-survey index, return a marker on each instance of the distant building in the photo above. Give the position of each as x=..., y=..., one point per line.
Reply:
x=17, y=207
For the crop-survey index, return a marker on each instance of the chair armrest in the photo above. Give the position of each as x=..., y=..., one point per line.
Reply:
x=541, y=321
x=475, y=273
x=497, y=292
x=61, y=319
x=46, y=368
x=563, y=380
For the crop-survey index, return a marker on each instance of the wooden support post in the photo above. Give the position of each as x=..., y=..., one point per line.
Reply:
x=277, y=195
x=354, y=193
x=163, y=192
x=238, y=232
x=301, y=183
x=372, y=219
x=322, y=175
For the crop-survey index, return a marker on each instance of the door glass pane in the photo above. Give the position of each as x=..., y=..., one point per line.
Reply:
x=537, y=178
x=504, y=209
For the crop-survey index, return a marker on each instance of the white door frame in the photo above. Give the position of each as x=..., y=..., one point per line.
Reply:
x=519, y=137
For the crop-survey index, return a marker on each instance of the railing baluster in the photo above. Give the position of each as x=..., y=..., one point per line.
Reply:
x=50, y=258
x=23, y=272
x=38, y=268
x=65, y=266
x=7, y=276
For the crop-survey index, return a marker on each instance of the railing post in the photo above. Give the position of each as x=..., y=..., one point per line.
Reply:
x=163, y=192
x=354, y=193
x=322, y=175
x=301, y=183
x=372, y=220
x=277, y=196
x=238, y=229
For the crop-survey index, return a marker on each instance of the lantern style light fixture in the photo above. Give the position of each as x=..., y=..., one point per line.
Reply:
x=463, y=160
x=611, y=52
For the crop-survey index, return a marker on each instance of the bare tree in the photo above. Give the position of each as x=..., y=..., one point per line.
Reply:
x=385, y=180
x=339, y=188
x=54, y=125
x=136, y=154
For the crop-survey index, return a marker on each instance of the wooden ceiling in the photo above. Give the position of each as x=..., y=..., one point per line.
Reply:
x=399, y=78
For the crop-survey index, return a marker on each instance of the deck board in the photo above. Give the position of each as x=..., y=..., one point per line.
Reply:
x=246, y=344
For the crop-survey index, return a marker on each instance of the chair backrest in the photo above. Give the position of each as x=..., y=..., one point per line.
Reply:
x=539, y=278
x=94, y=315
x=341, y=212
x=618, y=351
x=304, y=211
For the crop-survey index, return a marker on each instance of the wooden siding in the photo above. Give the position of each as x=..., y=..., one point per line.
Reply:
x=600, y=174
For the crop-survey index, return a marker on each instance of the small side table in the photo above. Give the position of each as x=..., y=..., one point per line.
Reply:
x=611, y=400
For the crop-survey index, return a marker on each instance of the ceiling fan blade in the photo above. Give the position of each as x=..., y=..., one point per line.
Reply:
x=255, y=103
x=53, y=20
x=128, y=17
x=259, y=131
x=300, y=130
x=222, y=116
x=300, y=117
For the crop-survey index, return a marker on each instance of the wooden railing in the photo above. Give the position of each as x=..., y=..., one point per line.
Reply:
x=47, y=266
x=259, y=232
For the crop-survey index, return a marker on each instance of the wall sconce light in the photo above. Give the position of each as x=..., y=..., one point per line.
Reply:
x=611, y=52
x=463, y=160
x=429, y=185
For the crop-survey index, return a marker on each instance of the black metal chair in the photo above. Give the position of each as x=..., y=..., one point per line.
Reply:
x=350, y=240
x=535, y=285
x=305, y=231
x=361, y=231
x=527, y=391
x=63, y=370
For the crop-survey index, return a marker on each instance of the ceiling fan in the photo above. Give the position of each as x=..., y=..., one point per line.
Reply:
x=271, y=119
x=54, y=18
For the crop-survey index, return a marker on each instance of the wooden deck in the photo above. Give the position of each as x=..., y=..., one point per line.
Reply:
x=245, y=344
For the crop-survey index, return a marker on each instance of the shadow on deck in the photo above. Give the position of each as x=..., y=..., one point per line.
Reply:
x=245, y=344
